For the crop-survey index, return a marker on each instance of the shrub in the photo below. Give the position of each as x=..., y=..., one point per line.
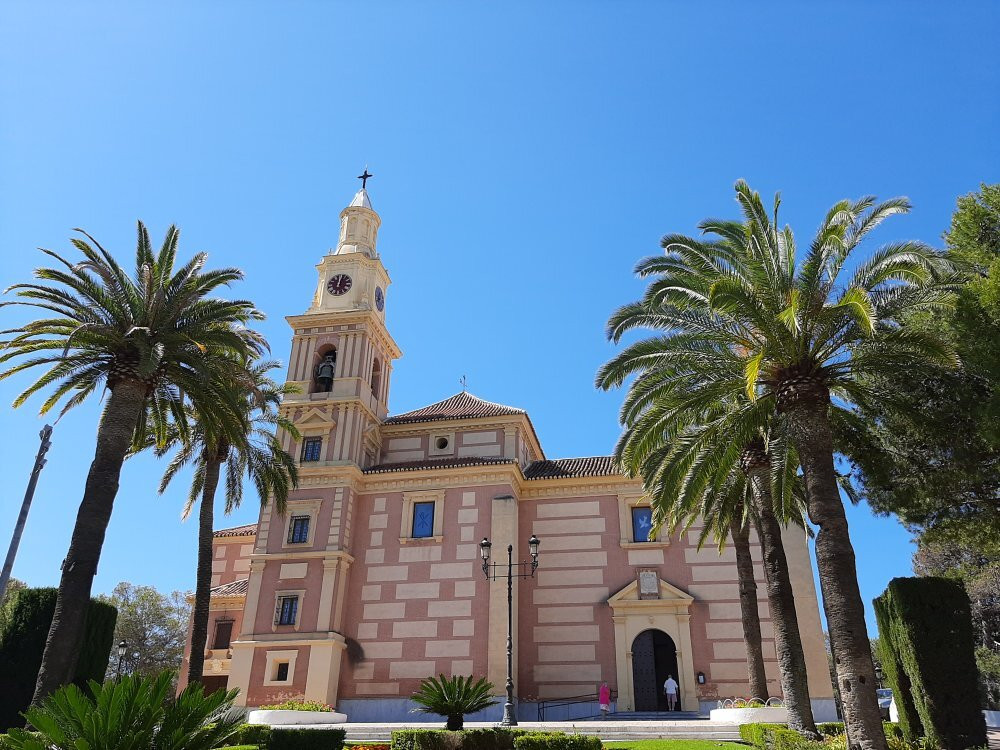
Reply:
x=892, y=730
x=26, y=621
x=831, y=728
x=297, y=706
x=494, y=738
x=134, y=712
x=930, y=634
x=758, y=734
x=899, y=681
x=98, y=635
x=556, y=741
x=306, y=739
x=453, y=697
x=255, y=735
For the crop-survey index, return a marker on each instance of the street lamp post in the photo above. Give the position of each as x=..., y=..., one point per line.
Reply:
x=122, y=650
x=22, y=517
x=525, y=570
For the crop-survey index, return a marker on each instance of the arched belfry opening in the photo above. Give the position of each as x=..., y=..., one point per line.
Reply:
x=654, y=658
x=325, y=370
x=376, y=382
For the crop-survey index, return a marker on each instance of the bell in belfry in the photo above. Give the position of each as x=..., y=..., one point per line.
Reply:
x=324, y=373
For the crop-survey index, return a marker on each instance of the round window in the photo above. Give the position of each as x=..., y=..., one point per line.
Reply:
x=441, y=443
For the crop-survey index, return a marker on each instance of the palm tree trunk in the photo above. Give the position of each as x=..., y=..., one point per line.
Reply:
x=781, y=599
x=114, y=437
x=203, y=581
x=750, y=611
x=809, y=426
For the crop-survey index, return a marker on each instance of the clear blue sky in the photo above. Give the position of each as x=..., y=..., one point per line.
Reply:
x=525, y=156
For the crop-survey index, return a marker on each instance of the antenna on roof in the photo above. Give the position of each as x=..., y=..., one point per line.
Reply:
x=464, y=382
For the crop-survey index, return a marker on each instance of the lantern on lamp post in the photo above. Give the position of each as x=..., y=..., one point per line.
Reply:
x=524, y=570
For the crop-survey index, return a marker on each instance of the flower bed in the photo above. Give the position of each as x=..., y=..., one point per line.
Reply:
x=294, y=713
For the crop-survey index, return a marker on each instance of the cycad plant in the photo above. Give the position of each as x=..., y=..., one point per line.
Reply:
x=800, y=337
x=453, y=698
x=133, y=713
x=142, y=338
x=246, y=445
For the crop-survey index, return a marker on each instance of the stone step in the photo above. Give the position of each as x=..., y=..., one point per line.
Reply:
x=609, y=730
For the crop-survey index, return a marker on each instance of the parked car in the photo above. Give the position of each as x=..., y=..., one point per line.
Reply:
x=884, y=699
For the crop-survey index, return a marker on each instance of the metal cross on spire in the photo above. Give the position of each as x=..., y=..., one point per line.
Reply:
x=364, y=178
x=464, y=382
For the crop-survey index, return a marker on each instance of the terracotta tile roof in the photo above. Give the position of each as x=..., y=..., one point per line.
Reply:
x=233, y=588
x=249, y=529
x=460, y=406
x=593, y=466
x=437, y=463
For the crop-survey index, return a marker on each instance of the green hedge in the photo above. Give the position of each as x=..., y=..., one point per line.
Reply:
x=497, y=738
x=831, y=728
x=780, y=737
x=255, y=735
x=27, y=617
x=556, y=741
x=98, y=635
x=305, y=739
x=929, y=623
x=895, y=673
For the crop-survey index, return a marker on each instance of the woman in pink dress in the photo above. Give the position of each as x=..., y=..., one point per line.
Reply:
x=604, y=698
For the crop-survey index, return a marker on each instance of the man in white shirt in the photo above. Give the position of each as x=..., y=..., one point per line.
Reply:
x=670, y=689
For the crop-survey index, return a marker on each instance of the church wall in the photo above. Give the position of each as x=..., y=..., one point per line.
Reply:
x=460, y=444
x=260, y=693
x=566, y=633
x=230, y=559
x=417, y=607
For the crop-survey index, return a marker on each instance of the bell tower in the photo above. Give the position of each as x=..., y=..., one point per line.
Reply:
x=342, y=352
x=340, y=365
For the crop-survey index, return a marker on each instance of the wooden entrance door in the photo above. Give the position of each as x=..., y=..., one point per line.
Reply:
x=654, y=657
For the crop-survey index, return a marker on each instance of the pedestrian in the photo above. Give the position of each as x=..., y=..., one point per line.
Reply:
x=604, y=698
x=670, y=689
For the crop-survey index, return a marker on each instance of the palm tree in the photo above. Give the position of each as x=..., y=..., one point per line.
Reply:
x=699, y=469
x=252, y=450
x=800, y=340
x=144, y=339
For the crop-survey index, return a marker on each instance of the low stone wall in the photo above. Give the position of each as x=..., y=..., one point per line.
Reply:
x=763, y=714
x=277, y=718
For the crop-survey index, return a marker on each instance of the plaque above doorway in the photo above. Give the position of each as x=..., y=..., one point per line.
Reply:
x=649, y=584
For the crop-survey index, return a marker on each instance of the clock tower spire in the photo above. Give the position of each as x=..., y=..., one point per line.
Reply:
x=342, y=353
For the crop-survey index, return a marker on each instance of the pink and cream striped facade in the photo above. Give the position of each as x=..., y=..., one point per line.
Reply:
x=378, y=607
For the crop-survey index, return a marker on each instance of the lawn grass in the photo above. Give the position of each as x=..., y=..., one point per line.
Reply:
x=669, y=745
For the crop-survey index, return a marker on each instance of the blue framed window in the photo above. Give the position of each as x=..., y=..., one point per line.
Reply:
x=423, y=520
x=298, y=530
x=288, y=608
x=642, y=524
x=311, y=448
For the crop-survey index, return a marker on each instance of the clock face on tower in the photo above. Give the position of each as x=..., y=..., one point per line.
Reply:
x=379, y=299
x=339, y=284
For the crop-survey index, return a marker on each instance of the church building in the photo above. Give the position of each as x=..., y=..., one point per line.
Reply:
x=373, y=578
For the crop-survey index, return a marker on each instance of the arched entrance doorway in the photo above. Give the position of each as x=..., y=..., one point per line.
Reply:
x=654, y=658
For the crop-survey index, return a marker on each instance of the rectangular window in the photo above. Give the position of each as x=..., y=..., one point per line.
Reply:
x=281, y=671
x=288, y=607
x=310, y=448
x=223, y=634
x=642, y=524
x=298, y=530
x=423, y=520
